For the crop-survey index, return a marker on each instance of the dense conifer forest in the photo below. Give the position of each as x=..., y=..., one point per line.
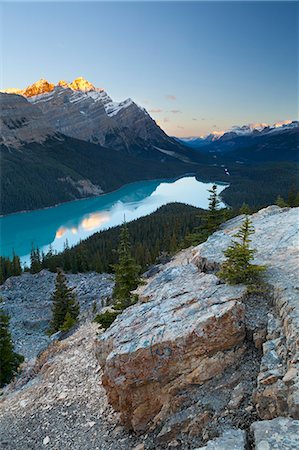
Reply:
x=160, y=233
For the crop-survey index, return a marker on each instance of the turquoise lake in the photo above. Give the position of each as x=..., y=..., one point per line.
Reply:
x=77, y=220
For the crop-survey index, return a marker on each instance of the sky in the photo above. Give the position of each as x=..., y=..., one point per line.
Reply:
x=195, y=66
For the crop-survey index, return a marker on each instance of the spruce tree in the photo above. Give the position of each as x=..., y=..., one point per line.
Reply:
x=237, y=268
x=35, y=260
x=213, y=217
x=9, y=360
x=292, y=196
x=296, y=204
x=208, y=223
x=65, y=306
x=245, y=209
x=281, y=202
x=126, y=272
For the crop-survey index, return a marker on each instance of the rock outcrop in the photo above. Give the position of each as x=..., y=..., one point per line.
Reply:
x=276, y=240
x=189, y=329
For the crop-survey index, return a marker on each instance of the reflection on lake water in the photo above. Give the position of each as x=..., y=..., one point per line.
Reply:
x=77, y=220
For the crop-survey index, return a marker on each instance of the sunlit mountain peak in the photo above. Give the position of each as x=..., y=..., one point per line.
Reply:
x=81, y=84
x=43, y=86
x=40, y=87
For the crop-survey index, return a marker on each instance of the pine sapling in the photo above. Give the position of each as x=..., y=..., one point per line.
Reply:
x=238, y=268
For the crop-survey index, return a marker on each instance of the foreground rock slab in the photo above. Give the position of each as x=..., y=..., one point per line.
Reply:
x=277, y=434
x=187, y=330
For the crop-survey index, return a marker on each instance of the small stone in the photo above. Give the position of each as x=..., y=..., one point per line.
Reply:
x=237, y=396
x=173, y=443
x=90, y=424
x=139, y=447
x=259, y=338
x=290, y=375
x=249, y=408
x=23, y=403
x=62, y=396
x=263, y=445
x=46, y=440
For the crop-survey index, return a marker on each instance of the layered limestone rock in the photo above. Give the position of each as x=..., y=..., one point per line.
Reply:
x=187, y=330
x=276, y=240
x=21, y=122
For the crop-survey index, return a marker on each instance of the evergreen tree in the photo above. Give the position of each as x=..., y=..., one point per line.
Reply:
x=292, y=196
x=280, y=202
x=245, y=209
x=208, y=223
x=237, y=268
x=65, y=306
x=213, y=218
x=9, y=268
x=9, y=360
x=68, y=323
x=126, y=271
x=296, y=204
x=35, y=260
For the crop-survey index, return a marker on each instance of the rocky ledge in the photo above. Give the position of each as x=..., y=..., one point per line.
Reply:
x=198, y=358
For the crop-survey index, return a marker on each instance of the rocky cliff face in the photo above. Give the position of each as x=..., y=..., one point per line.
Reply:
x=21, y=122
x=197, y=357
x=82, y=111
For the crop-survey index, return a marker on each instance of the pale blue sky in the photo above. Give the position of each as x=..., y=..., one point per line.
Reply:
x=196, y=66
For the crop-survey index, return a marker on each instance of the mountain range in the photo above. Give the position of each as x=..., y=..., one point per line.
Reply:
x=82, y=111
x=250, y=131
x=71, y=140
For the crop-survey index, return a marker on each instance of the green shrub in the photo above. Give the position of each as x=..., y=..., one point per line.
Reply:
x=107, y=318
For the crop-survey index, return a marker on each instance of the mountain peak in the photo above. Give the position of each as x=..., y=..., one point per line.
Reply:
x=81, y=84
x=40, y=87
x=62, y=83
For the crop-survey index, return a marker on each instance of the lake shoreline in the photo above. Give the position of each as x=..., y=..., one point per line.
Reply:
x=193, y=174
x=75, y=221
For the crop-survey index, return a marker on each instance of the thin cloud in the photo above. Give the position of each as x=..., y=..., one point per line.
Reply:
x=179, y=126
x=155, y=110
x=166, y=119
x=175, y=111
x=194, y=118
x=170, y=97
x=146, y=102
